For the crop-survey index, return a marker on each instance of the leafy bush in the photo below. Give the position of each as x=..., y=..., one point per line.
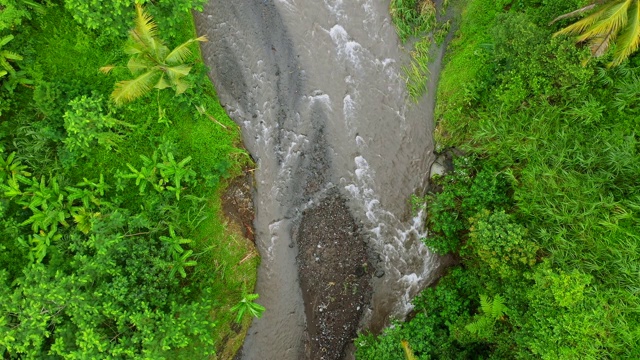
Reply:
x=471, y=188
x=440, y=315
x=14, y=12
x=87, y=124
x=501, y=243
x=561, y=253
x=114, y=17
x=90, y=269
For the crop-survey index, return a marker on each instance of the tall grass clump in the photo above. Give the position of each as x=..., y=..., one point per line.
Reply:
x=417, y=19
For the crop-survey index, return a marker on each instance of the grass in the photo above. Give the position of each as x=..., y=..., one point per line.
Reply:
x=416, y=19
x=417, y=73
x=566, y=138
x=67, y=57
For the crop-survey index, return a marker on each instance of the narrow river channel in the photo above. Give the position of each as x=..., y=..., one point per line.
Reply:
x=318, y=90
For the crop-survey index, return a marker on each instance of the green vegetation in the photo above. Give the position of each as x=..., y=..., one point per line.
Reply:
x=543, y=211
x=418, y=18
x=248, y=306
x=113, y=243
x=153, y=64
x=602, y=28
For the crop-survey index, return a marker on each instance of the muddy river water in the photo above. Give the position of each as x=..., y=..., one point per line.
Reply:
x=318, y=90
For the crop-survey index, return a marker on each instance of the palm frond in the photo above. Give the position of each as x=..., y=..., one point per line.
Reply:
x=178, y=71
x=600, y=44
x=162, y=83
x=138, y=65
x=144, y=36
x=580, y=26
x=145, y=27
x=11, y=55
x=107, y=69
x=182, y=52
x=629, y=40
x=129, y=90
x=181, y=86
x=485, y=304
x=573, y=13
x=5, y=40
x=37, y=7
x=133, y=47
x=614, y=19
x=498, y=307
x=408, y=353
x=5, y=65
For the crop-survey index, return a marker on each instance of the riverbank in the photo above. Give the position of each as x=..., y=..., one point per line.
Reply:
x=540, y=209
x=132, y=265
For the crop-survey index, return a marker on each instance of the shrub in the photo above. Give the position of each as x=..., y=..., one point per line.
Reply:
x=472, y=187
x=113, y=17
x=87, y=125
x=501, y=243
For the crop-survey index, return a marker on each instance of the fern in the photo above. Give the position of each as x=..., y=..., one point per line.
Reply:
x=492, y=311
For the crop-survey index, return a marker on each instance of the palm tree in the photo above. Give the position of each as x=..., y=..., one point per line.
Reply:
x=153, y=64
x=613, y=22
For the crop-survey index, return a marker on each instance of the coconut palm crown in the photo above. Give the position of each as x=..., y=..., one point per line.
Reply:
x=612, y=22
x=151, y=62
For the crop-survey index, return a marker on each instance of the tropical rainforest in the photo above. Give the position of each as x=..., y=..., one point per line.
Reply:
x=540, y=100
x=113, y=154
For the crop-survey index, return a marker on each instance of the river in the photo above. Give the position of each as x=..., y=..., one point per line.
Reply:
x=318, y=90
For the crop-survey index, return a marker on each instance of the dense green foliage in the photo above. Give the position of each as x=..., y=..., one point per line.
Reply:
x=611, y=22
x=112, y=244
x=543, y=213
x=112, y=18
